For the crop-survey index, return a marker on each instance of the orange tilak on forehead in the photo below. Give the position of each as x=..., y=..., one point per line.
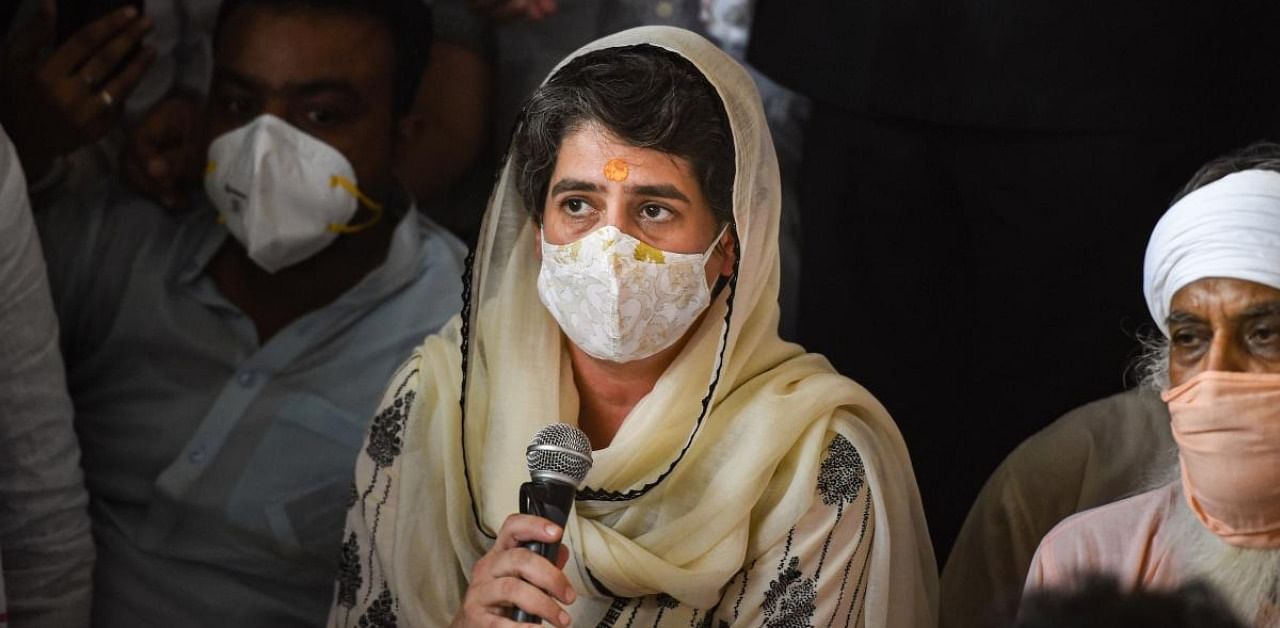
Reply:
x=616, y=170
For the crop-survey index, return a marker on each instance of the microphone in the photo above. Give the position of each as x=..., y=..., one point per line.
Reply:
x=558, y=457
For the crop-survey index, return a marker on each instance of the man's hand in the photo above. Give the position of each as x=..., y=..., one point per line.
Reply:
x=165, y=151
x=510, y=576
x=52, y=106
x=515, y=9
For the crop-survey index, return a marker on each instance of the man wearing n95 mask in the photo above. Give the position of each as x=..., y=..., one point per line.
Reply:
x=224, y=363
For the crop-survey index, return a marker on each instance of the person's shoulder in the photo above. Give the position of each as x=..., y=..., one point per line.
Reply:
x=443, y=249
x=1128, y=411
x=1109, y=531
x=1127, y=426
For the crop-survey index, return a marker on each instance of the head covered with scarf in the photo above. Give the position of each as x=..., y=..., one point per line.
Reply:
x=708, y=470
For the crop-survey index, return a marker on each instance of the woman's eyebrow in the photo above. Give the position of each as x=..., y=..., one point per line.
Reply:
x=573, y=185
x=661, y=190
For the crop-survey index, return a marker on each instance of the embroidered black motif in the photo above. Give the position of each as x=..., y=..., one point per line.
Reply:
x=790, y=600
x=842, y=473
x=615, y=611
x=349, y=578
x=844, y=579
x=353, y=496
x=381, y=613
x=665, y=603
x=841, y=479
x=384, y=434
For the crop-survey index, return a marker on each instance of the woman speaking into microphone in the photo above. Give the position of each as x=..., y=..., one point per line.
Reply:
x=626, y=282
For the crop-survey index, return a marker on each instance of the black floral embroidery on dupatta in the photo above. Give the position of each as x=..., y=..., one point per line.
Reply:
x=349, y=578
x=791, y=600
x=381, y=613
x=385, y=441
x=842, y=477
x=384, y=434
x=842, y=474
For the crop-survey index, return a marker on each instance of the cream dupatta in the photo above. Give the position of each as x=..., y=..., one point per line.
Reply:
x=709, y=470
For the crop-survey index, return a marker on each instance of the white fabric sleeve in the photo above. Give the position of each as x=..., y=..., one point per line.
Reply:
x=44, y=523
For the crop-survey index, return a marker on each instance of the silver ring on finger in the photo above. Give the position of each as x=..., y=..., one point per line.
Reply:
x=106, y=98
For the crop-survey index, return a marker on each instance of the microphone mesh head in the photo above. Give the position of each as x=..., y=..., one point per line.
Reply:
x=559, y=451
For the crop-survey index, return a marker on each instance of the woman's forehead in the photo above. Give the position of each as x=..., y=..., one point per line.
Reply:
x=594, y=151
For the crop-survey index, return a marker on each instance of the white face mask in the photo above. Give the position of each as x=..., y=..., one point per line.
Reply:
x=620, y=299
x=283, y=194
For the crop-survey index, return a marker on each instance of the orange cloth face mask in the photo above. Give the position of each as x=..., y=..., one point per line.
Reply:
x=1227, y=426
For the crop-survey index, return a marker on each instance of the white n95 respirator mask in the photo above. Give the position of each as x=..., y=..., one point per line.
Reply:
x=620, y=299
x=283, y=194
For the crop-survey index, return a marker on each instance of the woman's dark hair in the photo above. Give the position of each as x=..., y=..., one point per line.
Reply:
x=646, y=96
x=408, y=21
x=1256, y=156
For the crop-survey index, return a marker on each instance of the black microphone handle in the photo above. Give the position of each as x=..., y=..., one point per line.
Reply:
x=551, y=501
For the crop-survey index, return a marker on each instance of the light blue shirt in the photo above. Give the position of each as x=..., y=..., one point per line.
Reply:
x=219, y=467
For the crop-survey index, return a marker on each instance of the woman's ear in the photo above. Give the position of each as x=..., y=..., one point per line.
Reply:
x=537, y=240
x=727, y=251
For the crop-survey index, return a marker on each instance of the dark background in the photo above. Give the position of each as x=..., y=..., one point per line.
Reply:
x=980, y=180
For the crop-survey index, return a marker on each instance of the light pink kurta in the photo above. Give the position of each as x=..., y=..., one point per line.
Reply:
x=1128, y=540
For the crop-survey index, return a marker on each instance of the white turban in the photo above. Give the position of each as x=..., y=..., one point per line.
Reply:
x=1229, y=229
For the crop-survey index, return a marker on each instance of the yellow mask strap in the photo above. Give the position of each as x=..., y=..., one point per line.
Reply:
x=341, y=182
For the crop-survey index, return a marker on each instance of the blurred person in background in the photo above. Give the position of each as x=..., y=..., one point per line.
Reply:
x=46, y=551
x=224, y=361
x=151, y=133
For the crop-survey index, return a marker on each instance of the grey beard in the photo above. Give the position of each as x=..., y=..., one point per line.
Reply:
x=1249, y=579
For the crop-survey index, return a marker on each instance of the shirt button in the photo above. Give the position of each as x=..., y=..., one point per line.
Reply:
x=664, y=9
x=246, y=378
x=198, y=455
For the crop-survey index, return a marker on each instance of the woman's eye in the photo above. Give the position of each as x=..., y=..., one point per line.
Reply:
x=575, y=207
x=655, y=212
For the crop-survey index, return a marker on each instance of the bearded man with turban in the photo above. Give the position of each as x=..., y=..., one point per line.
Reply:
x=1212, y=283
